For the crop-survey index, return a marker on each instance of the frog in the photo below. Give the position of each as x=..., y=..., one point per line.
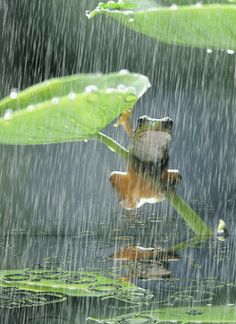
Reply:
x=147, y=178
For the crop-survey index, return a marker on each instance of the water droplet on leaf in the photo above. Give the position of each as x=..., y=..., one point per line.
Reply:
x=124, y=72
x=72, y=96
x=198, y=5
x=230, y=52
x=121, y=87
x=14, y=93
x=174, y=6
x=128, y=13
x=30, y=108
x=109, y=90
x=55, y=100
x=132, y=90
x=91, y=88
x=8, y=114
x=130, y=98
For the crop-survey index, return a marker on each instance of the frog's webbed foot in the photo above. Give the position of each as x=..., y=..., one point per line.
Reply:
x=124, y=121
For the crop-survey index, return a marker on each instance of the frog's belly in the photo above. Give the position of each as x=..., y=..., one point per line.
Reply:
x=151, y=146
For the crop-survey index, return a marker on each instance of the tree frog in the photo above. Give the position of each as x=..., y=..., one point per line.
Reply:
x=147, y=178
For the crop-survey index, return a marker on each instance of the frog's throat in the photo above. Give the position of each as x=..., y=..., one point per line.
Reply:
x=150, y=145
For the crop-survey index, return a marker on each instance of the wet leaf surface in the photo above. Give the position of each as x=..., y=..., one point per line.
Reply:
x=207, y=24
x=43, y=279
x=68, y=109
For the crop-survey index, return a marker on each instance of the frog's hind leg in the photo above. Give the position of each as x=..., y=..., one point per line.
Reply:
x=124, y=185
x=124, y=120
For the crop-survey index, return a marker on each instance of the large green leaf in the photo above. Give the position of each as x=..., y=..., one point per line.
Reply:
x=69, y=108
x=198, y=25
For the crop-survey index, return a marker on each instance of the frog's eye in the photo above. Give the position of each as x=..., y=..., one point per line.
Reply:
x=142, y=120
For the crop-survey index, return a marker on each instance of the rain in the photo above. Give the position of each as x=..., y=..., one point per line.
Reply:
x=62, y=224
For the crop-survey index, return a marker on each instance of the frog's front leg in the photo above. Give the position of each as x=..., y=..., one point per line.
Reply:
x=124, y=120
x=170, y=179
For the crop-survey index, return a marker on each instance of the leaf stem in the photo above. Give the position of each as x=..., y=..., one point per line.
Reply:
x=113, y=145
x=189, y=215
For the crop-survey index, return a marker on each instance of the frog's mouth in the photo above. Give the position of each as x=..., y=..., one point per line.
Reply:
x=150, y=145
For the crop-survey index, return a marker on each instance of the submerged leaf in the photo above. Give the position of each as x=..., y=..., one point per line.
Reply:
x=69, y=108
x=208, y=25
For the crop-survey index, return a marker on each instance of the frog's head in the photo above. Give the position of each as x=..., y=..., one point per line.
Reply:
x=146, y=123
x=151, y=138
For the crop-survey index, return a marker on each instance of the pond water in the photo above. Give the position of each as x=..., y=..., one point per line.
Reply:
x=57, y=208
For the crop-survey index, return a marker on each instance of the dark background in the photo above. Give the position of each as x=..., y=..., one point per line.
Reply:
x=56, y=188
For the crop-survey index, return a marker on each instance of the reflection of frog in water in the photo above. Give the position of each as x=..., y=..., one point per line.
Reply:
x=148, y=177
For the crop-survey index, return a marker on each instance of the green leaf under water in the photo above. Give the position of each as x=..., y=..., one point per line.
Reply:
x=210, y=25
x=69, y=108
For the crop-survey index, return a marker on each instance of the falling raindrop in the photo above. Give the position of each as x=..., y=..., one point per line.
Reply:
x=14, y=93
x=91, y=88
x=8, y=114
x=87, y=13
x=209, y=51
x=85, y=141
x=131, y=20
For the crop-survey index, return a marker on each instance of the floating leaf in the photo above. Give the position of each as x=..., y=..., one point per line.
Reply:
x=199, y=25
x=12, y=297
x=69, y=108
x=181, y=315
x=73, y=283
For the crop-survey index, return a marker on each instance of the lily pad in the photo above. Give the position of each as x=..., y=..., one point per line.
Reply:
x=210, y=25
x=73, y=283
x=68, y=109
x=12, y=297
x=183, y=315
